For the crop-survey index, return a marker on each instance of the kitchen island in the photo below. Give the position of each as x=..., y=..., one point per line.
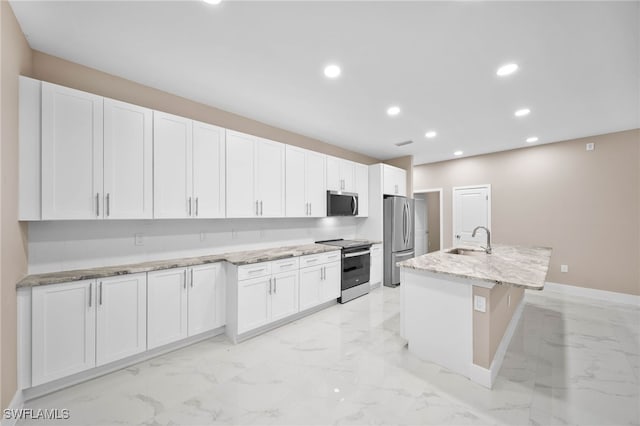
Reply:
x=459, y=307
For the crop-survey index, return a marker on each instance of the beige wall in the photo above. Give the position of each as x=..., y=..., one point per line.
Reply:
x=585, y=205
x=16, y=59
x=407, y=164
x=59, y=71
x=433, y=220
x=489, y=326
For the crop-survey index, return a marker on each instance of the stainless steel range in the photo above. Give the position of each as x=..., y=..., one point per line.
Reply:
x=356, y=266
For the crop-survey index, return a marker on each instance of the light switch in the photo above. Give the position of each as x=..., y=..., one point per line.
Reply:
x=564, y=268
x=480, y=303
x=591, y=146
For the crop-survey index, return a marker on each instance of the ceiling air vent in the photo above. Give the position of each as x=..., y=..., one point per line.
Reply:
x=404, y=143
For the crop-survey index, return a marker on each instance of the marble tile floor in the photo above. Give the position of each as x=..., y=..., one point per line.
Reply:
x=571, y=361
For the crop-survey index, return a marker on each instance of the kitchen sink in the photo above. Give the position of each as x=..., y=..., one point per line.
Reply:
x=466, y=251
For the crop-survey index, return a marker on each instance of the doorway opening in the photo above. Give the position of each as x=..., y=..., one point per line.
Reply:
x=428, y=221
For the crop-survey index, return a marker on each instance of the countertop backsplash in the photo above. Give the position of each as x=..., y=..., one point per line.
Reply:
x=67, y=245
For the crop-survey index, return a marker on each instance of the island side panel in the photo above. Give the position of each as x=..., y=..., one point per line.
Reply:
x=436, y=318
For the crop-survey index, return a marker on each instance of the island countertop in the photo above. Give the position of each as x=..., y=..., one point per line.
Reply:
x=514, y=265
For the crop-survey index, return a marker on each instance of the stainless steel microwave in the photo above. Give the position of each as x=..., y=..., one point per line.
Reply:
x=342, y=203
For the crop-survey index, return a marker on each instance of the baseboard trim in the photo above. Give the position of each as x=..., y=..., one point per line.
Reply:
x=591, y=293
x=487, y=377
x=17, y=403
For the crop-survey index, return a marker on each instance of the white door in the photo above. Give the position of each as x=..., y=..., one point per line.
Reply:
x=362, y=188
x=309, y=288
x=334, y=181
x=284, y=295
x=203, y=283
x=330, y=288
x=420, y=210
x=128, y=161
x=121, y=325
x=296, y=203
x=208, y=171
x=253, y=303
x=315, y=180
x=172, y=186
x=167, y=306
x=72, y=143
x=269, y=178
x=471, y=208
x=348, y=176
x=63, y=340
x=240, y=179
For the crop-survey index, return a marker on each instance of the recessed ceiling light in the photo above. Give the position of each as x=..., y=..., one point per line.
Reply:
x=332, y=71
x=212, y=1
x=458, y=153
x=532, y=139
x=507, y=69
x=393, y=110
x=430, y=134
x=522, y=112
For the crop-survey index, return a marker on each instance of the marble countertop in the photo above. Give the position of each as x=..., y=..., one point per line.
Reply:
x=235, y=258
x=519, y=266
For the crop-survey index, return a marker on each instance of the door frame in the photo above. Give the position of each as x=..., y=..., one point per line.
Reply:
x=453, y=207
x=440, y=193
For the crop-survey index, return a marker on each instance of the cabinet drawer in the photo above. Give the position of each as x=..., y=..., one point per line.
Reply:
x=284, y=265
x=332, y=256
x=254, y=270
x=319, y=259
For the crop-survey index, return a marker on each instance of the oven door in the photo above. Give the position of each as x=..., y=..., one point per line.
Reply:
x=356, y=267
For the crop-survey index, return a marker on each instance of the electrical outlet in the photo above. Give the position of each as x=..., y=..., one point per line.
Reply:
x=234, y=234
x=480, y=303
x=203, y=236
x=564, y=268
x=591, y=146
x=139, y=239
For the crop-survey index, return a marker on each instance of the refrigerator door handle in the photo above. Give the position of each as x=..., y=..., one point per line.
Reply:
x=408, y=224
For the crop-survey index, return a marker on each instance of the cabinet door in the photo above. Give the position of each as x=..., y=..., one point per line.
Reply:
x=63, y=330
x=309, y=288
x=167, y=307
x=375, y=276
x=315, y=178
x=172, y=186
x=334, y=181
x=348, y=175
x=208, y=171
x=128, y=161
x=362, y=184
x=253, y=303
x=241, y=199
x=121, y=317
x=204, y=281
x=284, y=295
x=331, y=282
x=296, y=203
x=269, y=183
x=394, y=180
x=72, y=142
x=401, y=180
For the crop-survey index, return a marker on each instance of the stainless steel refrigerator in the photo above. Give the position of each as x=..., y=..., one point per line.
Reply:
x=399, y=236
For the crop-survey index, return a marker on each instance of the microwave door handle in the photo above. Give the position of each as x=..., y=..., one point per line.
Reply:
x=354, y=202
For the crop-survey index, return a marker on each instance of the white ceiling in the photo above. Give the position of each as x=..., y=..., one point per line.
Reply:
x=579, y=65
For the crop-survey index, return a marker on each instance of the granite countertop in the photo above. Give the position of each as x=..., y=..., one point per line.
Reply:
x=235, y=258
x=519, y=266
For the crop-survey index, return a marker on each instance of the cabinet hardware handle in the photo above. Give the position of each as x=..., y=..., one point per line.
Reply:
x=269, y=285
x=260, y=207
x=275, y=285
x=256, y=270
x=285, y=265
x=197, y=205
x=321, y=273
x=100, y=293
x=257, y=211
x=90, y=293
x=306, y=209
x=108, y=205
x=192, y=273
x=185, y=279
x=310, y=209
x=189, y=206
x=97, y=204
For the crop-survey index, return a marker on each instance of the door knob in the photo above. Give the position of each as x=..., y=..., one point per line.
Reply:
x=458, y=236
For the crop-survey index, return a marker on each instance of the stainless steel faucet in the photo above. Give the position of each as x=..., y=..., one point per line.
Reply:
x=487, y=249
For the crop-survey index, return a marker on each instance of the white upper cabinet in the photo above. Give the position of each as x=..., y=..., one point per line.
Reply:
x=305, y=183
x=362, y=188
x=394, y=180
x=128, y=161
x=255, y=176
x=341, y=175
x=72, y=148
x=189, y=169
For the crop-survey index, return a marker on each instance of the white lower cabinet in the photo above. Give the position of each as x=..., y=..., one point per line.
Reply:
x=319, y=283
x=253, y=303
x=375, y=277
x=284, y=295
x=80, y=325
x=183, y=302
